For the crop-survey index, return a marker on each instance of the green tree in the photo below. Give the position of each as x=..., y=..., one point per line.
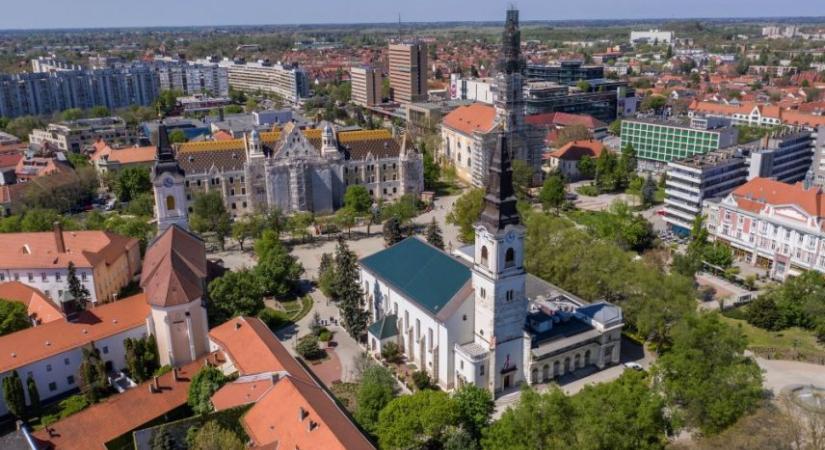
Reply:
x=799, y=301
x=763, y=313
x=615, y=127
x=246, y=228
x=586, y=167
x=308, y=348
x=583, y=85
x=214, y=437
x=718, y=255
x=72, y=114
x=23, y=126
x=34, y=395
x=14, y=396
x=376, y=390
x=706, y=380
x=536, y=422
x=522, y=178
x=432, y=171
x=357, y=198
x=93, y=382
x=13, y=317
x=348, y=291
x=167, y=101
x=647, y=196
x=209, y=215
x=345, y=219
x=475, y=407
x=40, y=220
x=143, y=205
x=653, y=103
x=131, y=182
x=278, y=271
x=236, y=293
x=551, y=195
x=177, y=137
x=416, y=421
x=392, y=232
x=465, y=213
x=99, y=111
x=433, y=235
x=205, y=383
x=162, y=439
x=76, y=288
x=326, y=275
x=298, y=224
x=572, y=133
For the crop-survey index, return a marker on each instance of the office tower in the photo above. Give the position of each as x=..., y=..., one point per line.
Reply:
x=408, y=71
x=366, y=85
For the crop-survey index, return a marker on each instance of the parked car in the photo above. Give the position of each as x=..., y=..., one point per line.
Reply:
x=634, y=366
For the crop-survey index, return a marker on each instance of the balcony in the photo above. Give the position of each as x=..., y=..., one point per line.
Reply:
x=682, y=196
x=692, y=207
x=683, y=186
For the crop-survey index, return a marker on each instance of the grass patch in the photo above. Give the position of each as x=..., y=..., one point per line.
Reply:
x=58, y=411
x=588, y=190
x=347, y=394
x=790, y=340
x=294, y=310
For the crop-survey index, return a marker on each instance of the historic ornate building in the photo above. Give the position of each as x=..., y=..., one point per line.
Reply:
x=301, y=170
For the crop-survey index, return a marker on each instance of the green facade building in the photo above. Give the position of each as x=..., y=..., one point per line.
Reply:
x=657, y=143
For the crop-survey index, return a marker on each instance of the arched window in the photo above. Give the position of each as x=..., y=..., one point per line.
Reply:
x=509, y=257
x=484, y=255
x=170, y=202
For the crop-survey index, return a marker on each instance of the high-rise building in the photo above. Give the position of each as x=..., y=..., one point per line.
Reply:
x=288, y=81
x=408, y=71
x=367, y=83
x=191, y=79
x=566, y=72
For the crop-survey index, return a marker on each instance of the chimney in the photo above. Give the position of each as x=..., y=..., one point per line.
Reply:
x=58, y=237
x=155, y=384
x=175, y=374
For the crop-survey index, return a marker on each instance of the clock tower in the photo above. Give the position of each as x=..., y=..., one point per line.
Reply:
x=168, y=184
x=498, y=275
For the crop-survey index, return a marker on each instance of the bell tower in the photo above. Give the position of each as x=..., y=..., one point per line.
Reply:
x=168, y=184
x=498, y=275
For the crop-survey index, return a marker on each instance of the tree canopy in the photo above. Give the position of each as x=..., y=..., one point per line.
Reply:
x=204, y=383
x=465, y=213
x=13, y=317
x=209, y=215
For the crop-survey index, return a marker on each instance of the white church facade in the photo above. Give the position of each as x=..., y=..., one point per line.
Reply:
x=476, y=316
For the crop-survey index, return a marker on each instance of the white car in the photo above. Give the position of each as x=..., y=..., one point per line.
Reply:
x=634, y=366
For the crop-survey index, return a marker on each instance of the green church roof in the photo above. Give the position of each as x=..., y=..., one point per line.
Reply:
x=420, y=272
x=384, y=328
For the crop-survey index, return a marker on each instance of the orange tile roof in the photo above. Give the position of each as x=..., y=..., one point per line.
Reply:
x=758, y=192
x=469, y=119
x=174, y=268
x=93, y=427
x=222, y=135
x=38, y=306
x=39, y=250
x=565, y=119
x=576, y=150
x=253, y=349
x=297, y=413
x=34, y=344
x=242, y=391
x=786, y=116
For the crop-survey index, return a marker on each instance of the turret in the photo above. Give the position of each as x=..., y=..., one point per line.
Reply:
x=329, y=144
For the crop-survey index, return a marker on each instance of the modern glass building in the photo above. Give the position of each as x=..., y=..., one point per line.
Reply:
x=658, y=142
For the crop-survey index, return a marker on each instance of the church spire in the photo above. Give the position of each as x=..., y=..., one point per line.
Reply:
x=511, y=61
x=500, y=200
x=164, y=156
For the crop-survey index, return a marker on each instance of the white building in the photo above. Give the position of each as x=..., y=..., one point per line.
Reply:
x=482, y=90
x=78, y=135
x=654, y=37
x=289, y=82
x=773, y=225
x=467, y=139
x=471, y=318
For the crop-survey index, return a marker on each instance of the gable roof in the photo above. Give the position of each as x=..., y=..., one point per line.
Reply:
x=471, y=118
x=24, y=347
x=385, y=327
x=576, y=150
x=564, y=120
x=758, y=192
x=419, y=271
x=38, y=306
x=39, y=250
x=174, y=268
x=243, y=391
x=299, y=414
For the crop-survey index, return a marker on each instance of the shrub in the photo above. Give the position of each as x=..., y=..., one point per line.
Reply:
x=325, y=335
x=308, y=347
x=390, y=352
x=162, y=370
x=764, y=313
x=421, y=380
x=588, y=190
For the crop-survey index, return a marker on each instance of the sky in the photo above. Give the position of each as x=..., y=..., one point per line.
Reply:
x=22, y=14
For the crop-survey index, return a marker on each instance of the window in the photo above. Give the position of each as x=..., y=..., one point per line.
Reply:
x=48, y=367
x=2, y=277
x=510, y=257
x=57, y=277
x=31, y=276
x=44, y=277
x=105, y=349
x=170, y=203
x=461, y=364
x=66, y=361
x=510, y=295
x=70, y=380
x=16, y=277
x=83, y=276
x=483, y=293
x=481, y=370
x=52, y=386
x=484, y=255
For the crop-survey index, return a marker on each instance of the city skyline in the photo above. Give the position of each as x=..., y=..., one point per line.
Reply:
x=47, y=14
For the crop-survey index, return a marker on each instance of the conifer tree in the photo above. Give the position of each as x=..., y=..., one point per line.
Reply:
x=434, y=235
x=14, y=396
x=34, y=395
x=348, y=293
x=392, y=231
x=76, y=288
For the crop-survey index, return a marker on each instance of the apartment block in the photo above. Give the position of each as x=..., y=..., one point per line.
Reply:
x=367, y=83
x=408, y=71
x=659, y=142
x=482, y=90
x=288, y=81
x=192, y=79
x=77, y=135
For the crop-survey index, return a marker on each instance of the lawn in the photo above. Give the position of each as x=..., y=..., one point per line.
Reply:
x=784, y=342
x=293, y=311
x=346, y=393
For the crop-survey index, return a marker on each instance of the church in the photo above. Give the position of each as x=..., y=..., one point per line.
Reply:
x=296, y=169
x=476, y=316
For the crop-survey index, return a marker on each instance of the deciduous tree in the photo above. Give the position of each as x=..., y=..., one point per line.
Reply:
x=205, y=383
x=465, y=213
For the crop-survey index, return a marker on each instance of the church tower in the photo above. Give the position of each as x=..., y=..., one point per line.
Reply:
x=498, y=275
x=168, y=185
x=329, y=144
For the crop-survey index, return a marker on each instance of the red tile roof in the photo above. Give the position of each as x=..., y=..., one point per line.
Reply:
x=39, y=250
x=469, y=119
x=93, y=427
x=758, y=192
x=242, y=391
x=127, y=155
x=174, y=268
x=561, y=119
x=299, y=414
x=576, y=150
x=34, y=344
x=786, y=116
x=38, y=306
